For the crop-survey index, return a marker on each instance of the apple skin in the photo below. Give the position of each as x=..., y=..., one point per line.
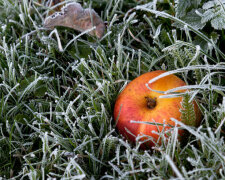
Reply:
x=131, y=104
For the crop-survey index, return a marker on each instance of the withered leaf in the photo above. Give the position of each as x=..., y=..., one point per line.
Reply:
x=73, y=15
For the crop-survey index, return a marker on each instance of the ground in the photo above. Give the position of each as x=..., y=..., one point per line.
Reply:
x=58, y=89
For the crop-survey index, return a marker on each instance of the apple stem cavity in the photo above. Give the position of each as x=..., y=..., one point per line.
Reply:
x=151, y=102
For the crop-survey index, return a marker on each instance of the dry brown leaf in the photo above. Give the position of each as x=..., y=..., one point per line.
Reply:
x=73, y=15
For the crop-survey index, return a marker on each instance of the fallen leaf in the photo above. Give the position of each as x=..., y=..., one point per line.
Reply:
x=73, y=15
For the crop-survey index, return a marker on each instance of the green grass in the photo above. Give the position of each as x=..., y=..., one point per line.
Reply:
x=56, y=105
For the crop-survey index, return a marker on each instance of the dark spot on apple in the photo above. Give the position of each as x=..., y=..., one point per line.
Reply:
x=151, y=102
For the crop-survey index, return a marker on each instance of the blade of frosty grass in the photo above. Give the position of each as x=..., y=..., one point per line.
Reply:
x=165, y=15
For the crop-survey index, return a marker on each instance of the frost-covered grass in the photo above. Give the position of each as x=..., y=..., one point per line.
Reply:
x=58, y=89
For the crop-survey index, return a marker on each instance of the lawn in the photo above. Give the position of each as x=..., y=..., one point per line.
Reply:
x=58, y=89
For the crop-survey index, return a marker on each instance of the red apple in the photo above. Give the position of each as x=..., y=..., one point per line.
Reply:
x=137, y=102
